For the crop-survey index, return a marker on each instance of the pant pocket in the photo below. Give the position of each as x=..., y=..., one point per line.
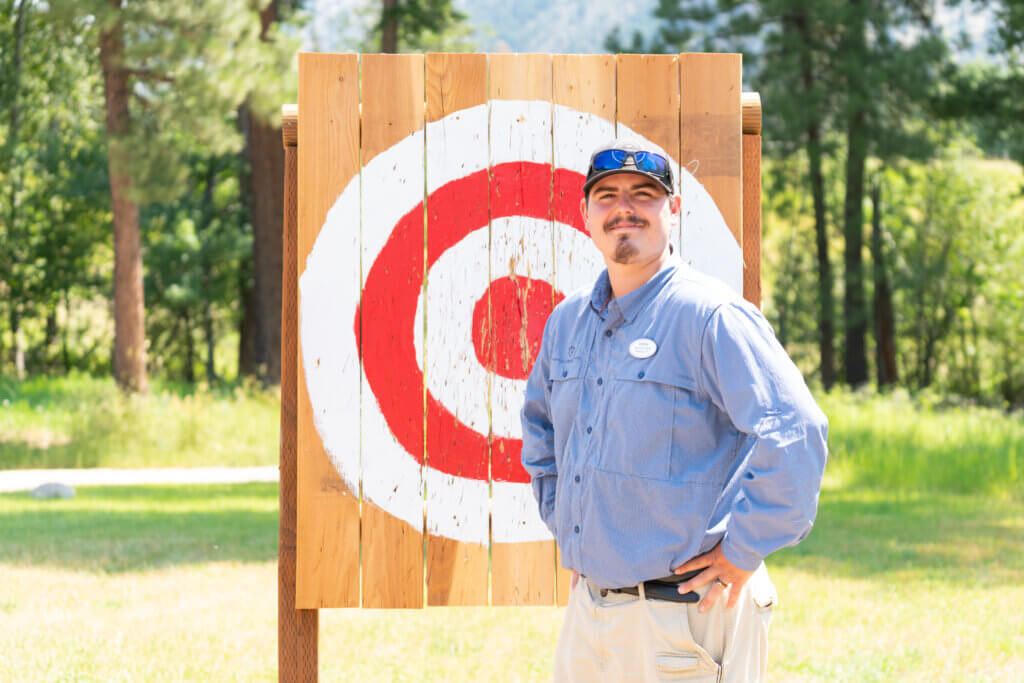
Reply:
x=676, y=655
x=684, y=666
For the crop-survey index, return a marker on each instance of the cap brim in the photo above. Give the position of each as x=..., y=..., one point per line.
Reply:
x=604, y=174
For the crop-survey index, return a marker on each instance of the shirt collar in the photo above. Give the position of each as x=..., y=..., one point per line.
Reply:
x=629, y=306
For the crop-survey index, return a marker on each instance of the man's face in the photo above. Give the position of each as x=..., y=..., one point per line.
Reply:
x=629, y=217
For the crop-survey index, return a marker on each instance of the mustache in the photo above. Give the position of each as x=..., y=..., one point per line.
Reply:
x=616, y=222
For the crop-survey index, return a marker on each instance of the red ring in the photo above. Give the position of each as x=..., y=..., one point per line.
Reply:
x=393, y=286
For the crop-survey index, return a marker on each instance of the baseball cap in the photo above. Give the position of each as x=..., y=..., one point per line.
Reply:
x=625, y=156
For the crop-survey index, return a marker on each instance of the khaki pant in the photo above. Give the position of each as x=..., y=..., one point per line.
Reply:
x=621, y=637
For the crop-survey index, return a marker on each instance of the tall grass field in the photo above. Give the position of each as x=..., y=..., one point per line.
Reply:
x=86, y=422
x=914, y=570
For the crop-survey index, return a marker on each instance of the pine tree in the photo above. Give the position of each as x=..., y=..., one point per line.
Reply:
x=171, y=72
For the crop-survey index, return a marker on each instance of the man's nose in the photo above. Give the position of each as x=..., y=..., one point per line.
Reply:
x=624, y=204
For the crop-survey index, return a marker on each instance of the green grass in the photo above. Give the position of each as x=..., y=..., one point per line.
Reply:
x=86, y=422
x=897, y=443
x=914, y=570
x=179, y=583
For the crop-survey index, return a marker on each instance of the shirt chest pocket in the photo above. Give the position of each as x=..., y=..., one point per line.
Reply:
x=641, y=413
x=566, y=383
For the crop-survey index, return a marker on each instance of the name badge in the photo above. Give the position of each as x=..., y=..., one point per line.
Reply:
x=642, y=348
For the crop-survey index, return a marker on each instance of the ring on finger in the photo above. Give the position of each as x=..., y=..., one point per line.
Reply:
x=723, y=584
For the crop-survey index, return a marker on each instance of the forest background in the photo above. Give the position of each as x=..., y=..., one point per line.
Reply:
x=140, y=203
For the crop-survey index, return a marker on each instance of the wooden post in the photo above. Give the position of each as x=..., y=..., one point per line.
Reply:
x=751, y=106
x=296, y=628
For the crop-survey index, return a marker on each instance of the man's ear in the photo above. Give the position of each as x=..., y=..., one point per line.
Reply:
x=675, y=202
x=583, y=213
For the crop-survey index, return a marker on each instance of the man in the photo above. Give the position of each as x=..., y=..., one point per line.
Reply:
x=672, y=445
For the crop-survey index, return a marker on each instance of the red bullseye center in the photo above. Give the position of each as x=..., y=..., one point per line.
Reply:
x=508, y=323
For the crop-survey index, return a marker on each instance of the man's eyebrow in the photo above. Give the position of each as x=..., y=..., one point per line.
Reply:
x=647, y=184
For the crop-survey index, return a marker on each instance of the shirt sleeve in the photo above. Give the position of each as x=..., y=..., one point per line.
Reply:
x=749, y=376
x=538, y=454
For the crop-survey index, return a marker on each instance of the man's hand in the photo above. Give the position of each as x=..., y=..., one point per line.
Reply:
x=718, y=569
x=574, y=579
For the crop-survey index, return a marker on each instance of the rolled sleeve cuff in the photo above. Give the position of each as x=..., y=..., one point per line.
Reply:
x=740, y=557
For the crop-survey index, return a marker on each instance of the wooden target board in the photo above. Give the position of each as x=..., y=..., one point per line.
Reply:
x=438, y=225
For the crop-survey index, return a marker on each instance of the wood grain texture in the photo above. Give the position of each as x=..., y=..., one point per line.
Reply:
x=392, y=109
x=647, y=91
x=290, y=124
x=711, y=129
x=523, y=573
x=297, y=644
x=456, y=569
x=752, y=219
x=327, y=544
x=751, y=103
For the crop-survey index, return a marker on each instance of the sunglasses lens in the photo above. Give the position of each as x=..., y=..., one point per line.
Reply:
x=614, y=159
x=609, y=160
x=652, y=163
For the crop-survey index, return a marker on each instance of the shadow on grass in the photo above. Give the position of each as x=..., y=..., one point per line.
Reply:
x=119, y=529
x=967, y=540
x=971, y=540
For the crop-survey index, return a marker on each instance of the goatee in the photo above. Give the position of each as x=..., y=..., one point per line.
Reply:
x=624, y=250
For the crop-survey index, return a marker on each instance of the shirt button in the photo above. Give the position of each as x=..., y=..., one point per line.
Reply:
x=607, y=333
x=640, y=374
x=600, y=381
x=576, y=528
x=589, y=429
x=577, y=479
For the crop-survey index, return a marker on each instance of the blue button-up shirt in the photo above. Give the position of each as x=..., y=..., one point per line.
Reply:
x=640, y=463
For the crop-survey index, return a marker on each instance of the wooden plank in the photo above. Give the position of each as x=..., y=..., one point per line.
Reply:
x=583, y=119
x=327, y=544
x=521, y=261
x=752, y=219
x=750, y=102
x=297, y=644
x=457, y=506
x=647, y=90
x=711, y=120
x=392, y=102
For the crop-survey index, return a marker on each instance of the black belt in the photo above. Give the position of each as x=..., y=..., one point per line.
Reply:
x=666, y=588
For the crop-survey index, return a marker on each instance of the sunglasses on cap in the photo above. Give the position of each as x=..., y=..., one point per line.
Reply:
x=615, y=159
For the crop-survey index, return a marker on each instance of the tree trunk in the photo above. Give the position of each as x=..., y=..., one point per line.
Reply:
x=266, y=157
x=64, y=332
x=51, y=336
x=826, y=297
x=389, y=27
x=266, y=161
x=190, y=351
x=14, y=112
x=18, y=348
x=854, y=301
x=129, y=301
x=885, y=336
x=855, y=362
x=248, y=329
x=10, y=253
x=211, y=343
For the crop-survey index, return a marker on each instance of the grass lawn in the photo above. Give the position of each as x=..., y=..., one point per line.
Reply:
x=82, y=421
x=179, y=583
